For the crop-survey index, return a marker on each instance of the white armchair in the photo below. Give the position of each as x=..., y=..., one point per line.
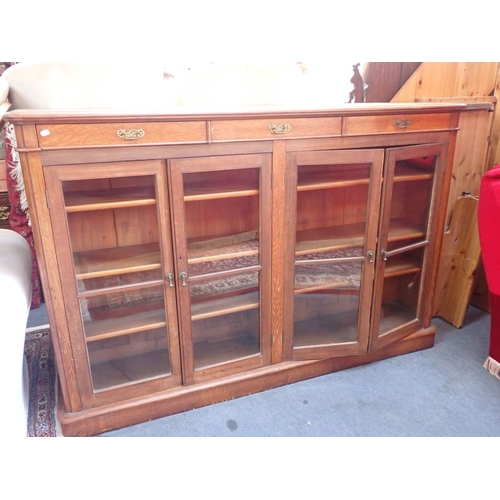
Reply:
x=15, y=277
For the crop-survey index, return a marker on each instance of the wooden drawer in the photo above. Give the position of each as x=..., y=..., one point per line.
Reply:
x=123, y=134
x=241, y=130
x=396, y=124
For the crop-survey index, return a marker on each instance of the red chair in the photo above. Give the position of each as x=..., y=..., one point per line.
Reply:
x=489, y=237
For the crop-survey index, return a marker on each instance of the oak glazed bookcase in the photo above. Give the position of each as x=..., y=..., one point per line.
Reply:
x=189, y=258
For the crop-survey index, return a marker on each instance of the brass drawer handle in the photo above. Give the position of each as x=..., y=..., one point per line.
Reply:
x=130, y=135
x=280, y=129
x=402, y=123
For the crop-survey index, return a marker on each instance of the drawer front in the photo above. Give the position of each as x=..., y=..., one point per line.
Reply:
x=240, y=130
x=123, y=134
x=396, y=124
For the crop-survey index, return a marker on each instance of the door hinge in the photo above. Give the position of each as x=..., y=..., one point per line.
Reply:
x=272, y=180
x=47, y=199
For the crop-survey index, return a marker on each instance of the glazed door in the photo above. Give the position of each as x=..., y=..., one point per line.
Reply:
x=111, y=227
x=332, y=204
x=408, y=224
x=222, y=227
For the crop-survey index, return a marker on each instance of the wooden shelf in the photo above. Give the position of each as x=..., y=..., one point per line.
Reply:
x=130, y=369
x=118, y=260
x=351, y=235
x=398, y=266
x=212, y=353
x=212, y=190
x=336, y=178
x=332, y=238
x=407, y=172
x=324, y=330
x=126, y=325
x=333, y=178
x=402, y=229
x=227, y=305
x=105, y=199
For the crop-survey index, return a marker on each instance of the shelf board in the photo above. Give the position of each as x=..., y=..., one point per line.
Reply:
x=332, y=238
x=130, y=369
x=406, y=173
x=398, y=266
x=105, y=199
x=402, y=229
x=214, y=190
x=126, y=325
x=117, y=260
x=350, y=235
x=328, y=329
x=223, y=351
x=227, y=305
x=346, y=287
x=334, y=178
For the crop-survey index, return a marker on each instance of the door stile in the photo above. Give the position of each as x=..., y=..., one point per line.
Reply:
x=166, y=250
x=179, y=243
x=289, y=254
x=65, y=268
x=279, y=244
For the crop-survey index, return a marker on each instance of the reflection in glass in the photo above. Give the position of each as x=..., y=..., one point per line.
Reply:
x=223, y=254
x=226, y=318
x=326, y=303
x=126, y=334
x=411, y=203
x=131, y=358
x=222, y=220
x=332, y=210
x=401, y=289
x=113, y=227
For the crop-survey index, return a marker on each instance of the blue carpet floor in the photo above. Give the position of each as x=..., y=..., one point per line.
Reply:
x=438, y=392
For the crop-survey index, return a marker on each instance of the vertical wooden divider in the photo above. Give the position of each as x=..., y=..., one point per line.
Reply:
x=277, y=257
x=47, y=262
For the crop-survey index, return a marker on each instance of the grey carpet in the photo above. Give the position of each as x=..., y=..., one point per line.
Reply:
x=443, y=391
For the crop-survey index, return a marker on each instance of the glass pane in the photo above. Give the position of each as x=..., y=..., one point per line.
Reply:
x=126, y=334
x=117, y=266
x=222, y=228
x=113, y=227
x=226, y=319
x=401, y=289
x=411, y=198
x=407, y=240
x=326, y=303
x=332, y=206
x=222, y=220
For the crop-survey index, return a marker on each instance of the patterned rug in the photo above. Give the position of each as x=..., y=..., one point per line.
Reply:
x=42, y=386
